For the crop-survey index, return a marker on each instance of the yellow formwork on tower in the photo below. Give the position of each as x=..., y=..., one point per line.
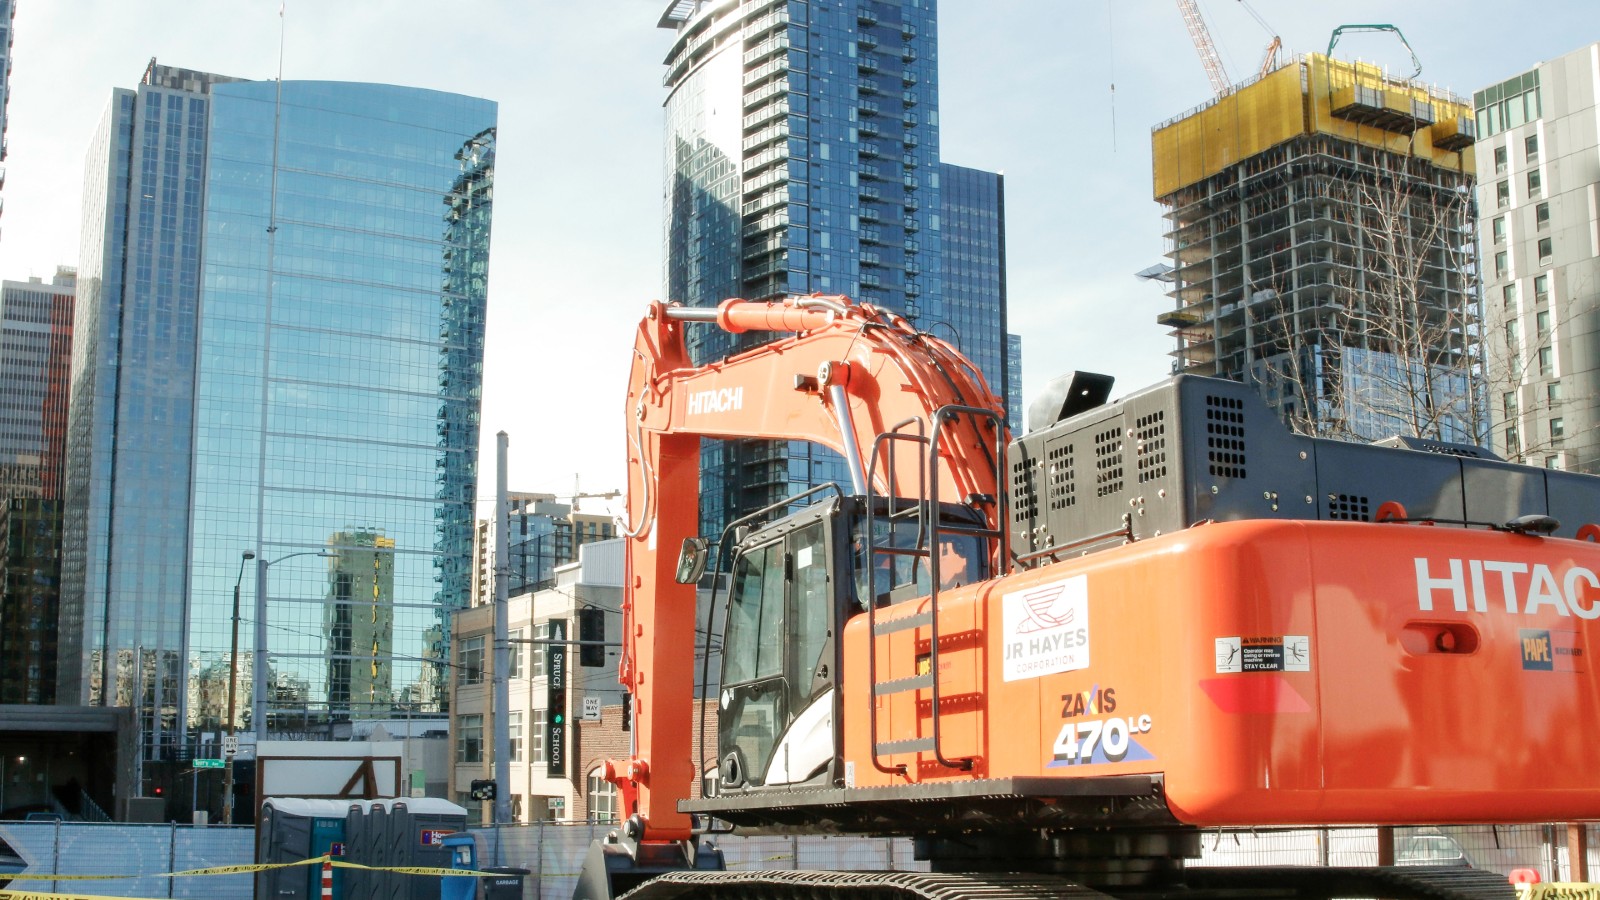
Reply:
x=1313, y=95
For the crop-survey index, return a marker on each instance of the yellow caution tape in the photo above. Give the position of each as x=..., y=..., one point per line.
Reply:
x=414, y=870
x=1562, y=890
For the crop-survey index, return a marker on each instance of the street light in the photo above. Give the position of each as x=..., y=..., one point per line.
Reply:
x=233, y=689
x=258, y=684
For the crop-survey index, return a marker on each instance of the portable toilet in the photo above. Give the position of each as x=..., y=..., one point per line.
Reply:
x=428, y=821
x=357, y=882
x=377, y=846
x=291, y=829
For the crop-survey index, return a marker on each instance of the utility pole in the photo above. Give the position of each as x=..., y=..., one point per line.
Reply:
x=502, y=635
x=230, y=746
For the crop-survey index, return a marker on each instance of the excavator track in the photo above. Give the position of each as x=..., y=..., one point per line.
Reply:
x=1266, y=883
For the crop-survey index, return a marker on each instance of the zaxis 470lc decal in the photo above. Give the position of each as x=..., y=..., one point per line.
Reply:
x=1084, y=742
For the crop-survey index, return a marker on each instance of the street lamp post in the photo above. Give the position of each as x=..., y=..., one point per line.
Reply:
x=230, y=747
x=258, y=684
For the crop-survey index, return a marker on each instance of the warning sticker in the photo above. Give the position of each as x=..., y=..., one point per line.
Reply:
x=1278, y=653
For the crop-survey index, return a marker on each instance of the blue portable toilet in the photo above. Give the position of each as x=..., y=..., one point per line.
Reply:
x=463, y=852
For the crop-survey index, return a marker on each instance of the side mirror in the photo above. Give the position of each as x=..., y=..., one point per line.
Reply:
x=692, y=560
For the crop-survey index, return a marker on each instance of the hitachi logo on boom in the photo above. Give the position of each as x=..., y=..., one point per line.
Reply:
x=1521, y=588
x=716, y=401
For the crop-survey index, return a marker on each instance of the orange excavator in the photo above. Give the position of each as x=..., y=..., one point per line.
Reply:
x=1052, y=661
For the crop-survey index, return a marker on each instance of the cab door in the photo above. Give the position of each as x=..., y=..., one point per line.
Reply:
x=778, y=660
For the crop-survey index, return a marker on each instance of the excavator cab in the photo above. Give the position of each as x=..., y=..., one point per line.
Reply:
x=794, y=583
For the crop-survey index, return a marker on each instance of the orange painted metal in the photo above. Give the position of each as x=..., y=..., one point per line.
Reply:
x=1273, y=672
x=891, y=373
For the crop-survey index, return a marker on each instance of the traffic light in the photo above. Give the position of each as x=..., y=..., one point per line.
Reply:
x=627, y=711
x=591, y=636
x=483, y=789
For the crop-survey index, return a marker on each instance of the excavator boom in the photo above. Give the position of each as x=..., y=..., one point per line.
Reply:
x=844, y=374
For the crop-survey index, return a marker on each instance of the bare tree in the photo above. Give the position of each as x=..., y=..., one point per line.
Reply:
x=1376, y=330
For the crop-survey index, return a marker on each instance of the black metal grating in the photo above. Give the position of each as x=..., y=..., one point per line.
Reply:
x=1108, y=462
x=1349, y=508
x=1024, y=490
x=1225, y=436
x=1150, y=446
x=1061, y=489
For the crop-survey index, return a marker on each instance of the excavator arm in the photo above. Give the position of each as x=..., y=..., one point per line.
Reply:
x=846, y=373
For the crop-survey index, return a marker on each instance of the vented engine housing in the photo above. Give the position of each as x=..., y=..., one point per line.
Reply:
x=1195, y=449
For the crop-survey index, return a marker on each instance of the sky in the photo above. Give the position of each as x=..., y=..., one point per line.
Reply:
x=1059, y=95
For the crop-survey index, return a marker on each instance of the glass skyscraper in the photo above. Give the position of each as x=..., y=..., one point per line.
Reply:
x=339, y=379
x=973, y=223
x=123, y=624
x=285, y=316
x=802, y=156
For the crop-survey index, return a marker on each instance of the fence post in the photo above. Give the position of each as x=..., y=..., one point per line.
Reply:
x=55, y=858
x=1577, y=852
x=172, y=855
x=538, y=862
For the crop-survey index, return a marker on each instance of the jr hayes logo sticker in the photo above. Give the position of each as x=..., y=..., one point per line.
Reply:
x=1086, y=741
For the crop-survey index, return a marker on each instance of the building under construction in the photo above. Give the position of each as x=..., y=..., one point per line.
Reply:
x=1321, y=245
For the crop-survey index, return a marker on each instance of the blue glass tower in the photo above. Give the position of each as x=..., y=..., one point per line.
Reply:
x=802, y=156
x=130, y=422
x=281, y=318
x=338, y=392
x=972, y=311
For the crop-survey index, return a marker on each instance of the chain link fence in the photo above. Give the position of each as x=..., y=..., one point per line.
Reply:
x=553, y=853
x=86, y=848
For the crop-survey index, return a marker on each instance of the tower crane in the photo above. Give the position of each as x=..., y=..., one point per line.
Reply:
x=1269, y=59
x=1201, y=35
x=578, y=494
x=1203, y=45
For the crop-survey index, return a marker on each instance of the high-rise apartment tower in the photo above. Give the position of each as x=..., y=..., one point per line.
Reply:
x=1539, y=171
x=803, y=157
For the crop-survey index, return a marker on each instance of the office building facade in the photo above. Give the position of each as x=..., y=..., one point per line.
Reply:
x=35, y=365
x=130, y=419
x=1538, y=171
x=802, y=156
x=545, y=534
x=320, y=413
x=1321, y=246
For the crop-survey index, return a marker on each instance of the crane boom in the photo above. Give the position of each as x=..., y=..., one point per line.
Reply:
x=1201, y=35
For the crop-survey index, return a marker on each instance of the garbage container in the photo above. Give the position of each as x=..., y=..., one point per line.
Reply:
x=502, y=883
